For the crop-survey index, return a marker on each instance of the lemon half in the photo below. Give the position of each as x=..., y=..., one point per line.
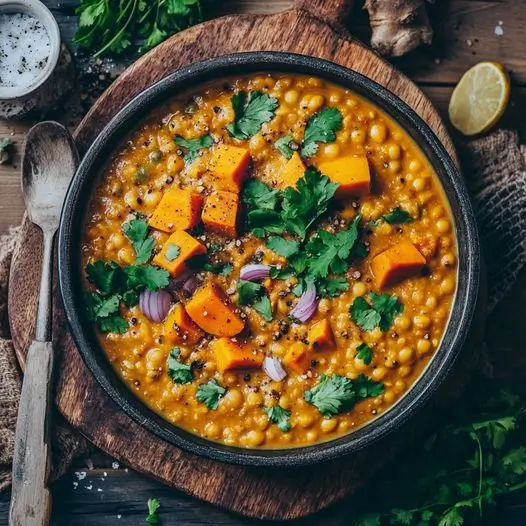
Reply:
x=480, y=98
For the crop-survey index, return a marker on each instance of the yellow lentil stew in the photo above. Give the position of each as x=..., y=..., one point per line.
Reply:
x=269, y=261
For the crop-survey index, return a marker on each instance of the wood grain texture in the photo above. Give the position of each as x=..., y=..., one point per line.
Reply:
x=256, y=492
x=30, y=494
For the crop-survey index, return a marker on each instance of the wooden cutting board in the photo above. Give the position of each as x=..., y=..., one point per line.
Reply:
x=312, y=27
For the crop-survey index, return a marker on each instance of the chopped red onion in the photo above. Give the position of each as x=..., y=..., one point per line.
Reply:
x=273, y=368
x=155, y=305
x=190, y=285
x=253, y=272
x=306, y=305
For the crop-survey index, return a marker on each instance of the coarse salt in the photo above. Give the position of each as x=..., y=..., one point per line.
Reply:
x=25, y=48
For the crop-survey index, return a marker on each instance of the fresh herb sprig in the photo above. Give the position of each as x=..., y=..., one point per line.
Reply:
x=193, y=146
x=153, y=507
x=136, y=231
x=255, y=295
x=380, y=311
x=279, y=416
x=115, y=26
x=210, y=394
x=179, y=372
x=251, y=110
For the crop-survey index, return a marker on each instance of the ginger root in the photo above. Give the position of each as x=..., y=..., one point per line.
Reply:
x=398, y=26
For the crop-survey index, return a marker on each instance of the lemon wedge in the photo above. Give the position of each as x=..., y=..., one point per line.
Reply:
x=480, y=98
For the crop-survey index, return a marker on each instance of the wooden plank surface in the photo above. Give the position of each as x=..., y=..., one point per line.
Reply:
x=465, y=34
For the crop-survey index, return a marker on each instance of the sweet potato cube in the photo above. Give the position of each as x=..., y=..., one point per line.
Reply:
x=211, y=309
x=297, y=358
x=320, y=336
x=220, y=213
x=235, y=355
x=179, y=328
x=293, y=170
x=352, y=173
x=397, y=263
x=177, y=210
x=229, y=166
x=179, y=247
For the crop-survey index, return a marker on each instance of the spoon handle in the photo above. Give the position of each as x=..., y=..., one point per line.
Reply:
x=30, y=495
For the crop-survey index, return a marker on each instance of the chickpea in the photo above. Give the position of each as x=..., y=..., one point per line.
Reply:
x=128, y=171
x=233, y=399
x=125, y=255
x=422, y=321
x=418, y=297
x=415, y=166
x=324, y=306
x=393, y=151
x=442, y=226
x=151, y=199
x=404, y=371
x=389, y=397
x=328, y=425
x=155, y=357
x=331, y=150
x=166, y=143
x=343, y=426
x=334, y=98
x=229, y=378
x=305, y=420
x=174, y=164
x=254, y=438
x=405, y=355
x=379, y=373
x=257, y=143
x=254, y=399
x=423, y=346
x=359, y=288
x=351, y=103
x=261, y=421
x=378, y=132
x=316, y=102
x=376, y=334
x=431, y=303
x=358, y=136
x=448, y=260
x=291, y=97
x=394, y=167
x=436, y=212
x=359, y=365
x=448, y=285
x=311, y=435
x=130, y=197
x=419, y=184
x=285, y=402
x=304, y=102
x=212, y=431
x=117, y=240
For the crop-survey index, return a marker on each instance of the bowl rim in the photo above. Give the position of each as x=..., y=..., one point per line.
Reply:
x=129, y=117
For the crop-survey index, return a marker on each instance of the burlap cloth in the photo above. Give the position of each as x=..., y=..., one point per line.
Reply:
x=495, y=170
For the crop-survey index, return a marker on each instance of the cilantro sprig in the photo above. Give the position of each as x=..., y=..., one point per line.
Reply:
x=153, y=507
x=136, y=231
x=255, y=295
x=251, y=111
x=364, y=353
x=335, y=394
x=179, y=372
x=117, y=284
x=210, y=394
x=202, y=262
x=321, y=127
x=397, y=216
x=279, y=416
x=380, y=312
x=193, y=146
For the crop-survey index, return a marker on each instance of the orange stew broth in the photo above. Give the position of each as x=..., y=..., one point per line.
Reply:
x=133, y=183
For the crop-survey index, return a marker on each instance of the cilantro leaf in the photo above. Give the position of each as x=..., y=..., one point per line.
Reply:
x=114, y=323
x=210, y=393
x=321, y=127
x=172, y=252
x=364, y=353
x=179, y=373
x=366, y=387
x=397, y=215
x=251, y=112
x=6, y=150
x=306, y=203
x=255, y=295
x=202, y=262
x=283, y=146
x=278, y=415
x=282, y=247
x=257, y=194
x=453, y=517
x=136, y=231
x=105, y=276
x=153, y=506
x=147, y=276
x=331, y=287
x=331, y=394
x=193, y=146
x=263, y=306
x=381, y=312
x=100, y=307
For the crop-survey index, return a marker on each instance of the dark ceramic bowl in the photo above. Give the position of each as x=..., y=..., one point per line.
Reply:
x=128, y=118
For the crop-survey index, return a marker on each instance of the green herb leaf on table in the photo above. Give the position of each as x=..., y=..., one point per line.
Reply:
x=255, y=295
x=279, y=416
x=380, y=312
x=136, y=231
x=397, y=216
x=364, y=353
x=153, y=506
x=193, y=146
x=179, y=373
x=283, y=146
x=6, y=150
x=210, y=394
x=321, y=127
x=251, y=111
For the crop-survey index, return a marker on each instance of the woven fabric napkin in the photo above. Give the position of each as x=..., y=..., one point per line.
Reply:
x=495, y=171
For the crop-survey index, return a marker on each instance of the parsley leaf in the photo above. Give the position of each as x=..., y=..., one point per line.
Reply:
x=381, y=312
x=153, y=506
x=210, y=393
x=283, y=146
x=172, y=252
x=278, y=415
x=251, y=112
x=397, y=215
x=136, y=231
x=321, y=127
x=254, y=294
x=193, y=146
x=364, y=353
x=179, y=373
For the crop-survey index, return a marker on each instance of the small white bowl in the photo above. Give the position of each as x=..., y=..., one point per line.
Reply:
x=15, y=101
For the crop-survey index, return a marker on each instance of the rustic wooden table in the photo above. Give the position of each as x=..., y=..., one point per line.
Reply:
x=465, y=33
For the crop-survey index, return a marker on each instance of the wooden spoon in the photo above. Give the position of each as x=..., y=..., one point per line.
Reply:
x=50, y=160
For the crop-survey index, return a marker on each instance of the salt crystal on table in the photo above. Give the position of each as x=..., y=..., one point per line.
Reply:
x=499, y=31
x=25, y=47
x=115, y=465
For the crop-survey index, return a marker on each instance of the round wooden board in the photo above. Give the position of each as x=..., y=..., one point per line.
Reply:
x=312, y=27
